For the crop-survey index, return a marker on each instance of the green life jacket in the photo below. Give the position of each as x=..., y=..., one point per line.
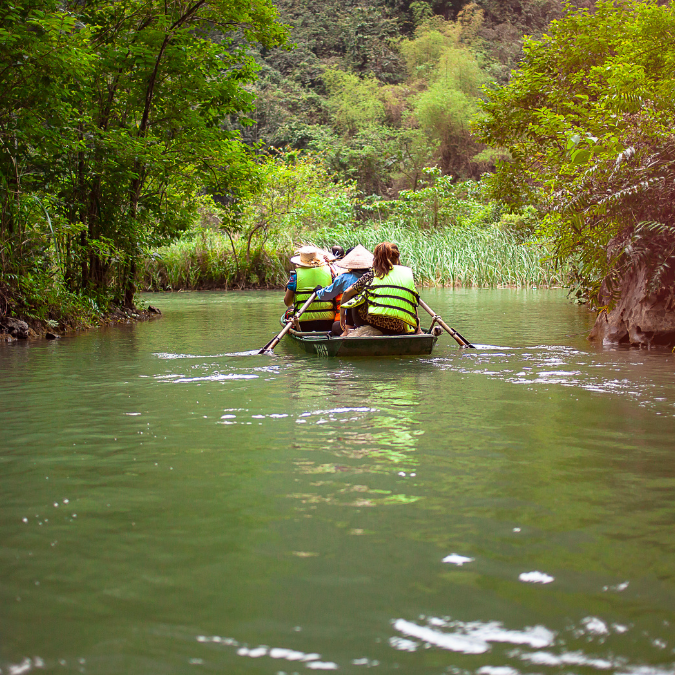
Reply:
x=308, y=279
x=394, y=296
x=357, y=300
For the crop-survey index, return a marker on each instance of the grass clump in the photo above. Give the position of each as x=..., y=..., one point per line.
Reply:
x=468, y=256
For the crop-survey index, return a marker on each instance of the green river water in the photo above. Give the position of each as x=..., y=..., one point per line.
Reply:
x=173, y=505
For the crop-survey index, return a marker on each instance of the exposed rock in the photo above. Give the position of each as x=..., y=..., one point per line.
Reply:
x=15, y=327
x=51, y=336
x=640, y=318
x=153, y=310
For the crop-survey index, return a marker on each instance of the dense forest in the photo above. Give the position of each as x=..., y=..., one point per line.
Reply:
x=364, y=118
x=194, y=145
x=383, y=89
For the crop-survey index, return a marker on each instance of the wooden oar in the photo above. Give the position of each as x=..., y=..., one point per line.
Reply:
x=461, y=341
x=275, y=340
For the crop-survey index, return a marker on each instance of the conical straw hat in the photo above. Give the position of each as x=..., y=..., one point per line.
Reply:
x=311, y=256
x=359, y=258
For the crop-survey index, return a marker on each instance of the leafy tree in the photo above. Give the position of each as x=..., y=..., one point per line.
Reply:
x=413, y=148
x=446, y=109
x=385, y=135
x=423, y=51
x=421, y=11
x=296, y=194
x=115, y=115
x=357, y=35
x=369, y=157
x=442, y=65
x=355, y=101
x=587, y=120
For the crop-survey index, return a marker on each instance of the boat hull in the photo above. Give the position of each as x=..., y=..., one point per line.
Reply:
x=322, y=344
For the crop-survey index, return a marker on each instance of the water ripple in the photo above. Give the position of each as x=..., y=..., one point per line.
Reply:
x=644, y=377
x=552, y=650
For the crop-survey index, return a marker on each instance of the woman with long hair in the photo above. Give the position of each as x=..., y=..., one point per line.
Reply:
x=385, y=297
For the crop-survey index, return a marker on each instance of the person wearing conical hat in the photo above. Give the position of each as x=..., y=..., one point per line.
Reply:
x=356, y=263
x=312, y=270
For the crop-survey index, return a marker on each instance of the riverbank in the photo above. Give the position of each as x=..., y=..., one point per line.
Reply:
x=13, y=329
x=484, y=256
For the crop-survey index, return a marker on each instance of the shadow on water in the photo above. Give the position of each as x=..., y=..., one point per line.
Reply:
x=168, y=504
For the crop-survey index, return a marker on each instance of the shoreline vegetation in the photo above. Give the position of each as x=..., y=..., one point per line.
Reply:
x=450, y=234
x=446, y=257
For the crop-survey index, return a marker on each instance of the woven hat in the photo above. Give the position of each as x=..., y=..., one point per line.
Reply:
x=359, y=258
x=310, y=256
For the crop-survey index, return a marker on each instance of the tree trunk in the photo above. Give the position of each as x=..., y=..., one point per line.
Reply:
x=130, y=288
x=234, y=253
x=84, y=269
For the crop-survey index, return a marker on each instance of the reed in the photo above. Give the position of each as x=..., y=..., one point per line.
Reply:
x=482, y=256
x=466, y=256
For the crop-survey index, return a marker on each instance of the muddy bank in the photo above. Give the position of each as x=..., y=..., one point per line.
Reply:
x=13, y=329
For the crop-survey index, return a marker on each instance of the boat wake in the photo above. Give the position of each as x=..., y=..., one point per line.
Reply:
x=170, y=356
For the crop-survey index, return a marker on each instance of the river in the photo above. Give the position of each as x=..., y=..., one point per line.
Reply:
x=171, y=505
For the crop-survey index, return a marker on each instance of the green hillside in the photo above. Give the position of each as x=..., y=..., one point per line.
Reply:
x=385, y=88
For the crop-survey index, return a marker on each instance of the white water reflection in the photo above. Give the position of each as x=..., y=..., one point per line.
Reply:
x=25, y=666
x=567, y=659
x=536, y=578
x=474, y=637
x=455, y=559
x=309, y=660
x=216, y=378
x=170, y=356
x=595, y=625
x=337, y=411
x=641, y=376
x=551, y=650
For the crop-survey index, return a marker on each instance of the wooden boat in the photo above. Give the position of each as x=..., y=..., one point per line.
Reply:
x=325, y=344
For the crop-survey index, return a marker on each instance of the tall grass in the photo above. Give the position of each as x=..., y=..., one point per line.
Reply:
x=466, y=256
x=480, y=256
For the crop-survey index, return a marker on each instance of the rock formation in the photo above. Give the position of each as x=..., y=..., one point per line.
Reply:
x=16, y=328
x=641, y=317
